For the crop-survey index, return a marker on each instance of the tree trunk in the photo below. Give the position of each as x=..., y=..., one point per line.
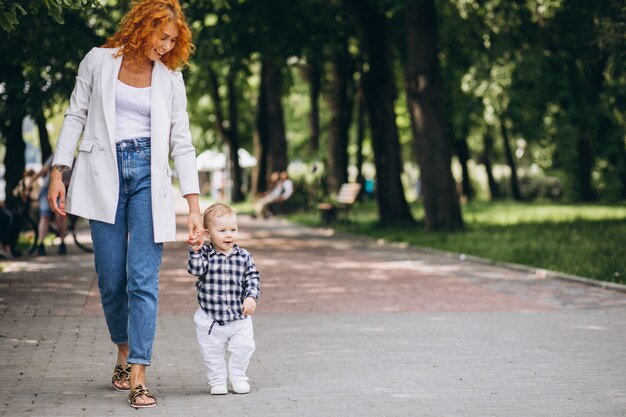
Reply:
x=260, y=139
x=271, y=143
x=618, y=160
x=227, y=128
x=425, y=101
x=14, y=159
x=259, y=180
x=380, y=92
x=486, y=159
x=462, y=152
x=585, y=165
x=623, y=181
x=515, y=192
x=340, y=98
x=277, y=155
x=313, y=76
x=44, y=138
x=587, y=85
x=233, y=136
x=360, y=135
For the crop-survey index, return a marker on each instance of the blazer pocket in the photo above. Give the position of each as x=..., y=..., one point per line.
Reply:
x=86, y=146
x=85, y=156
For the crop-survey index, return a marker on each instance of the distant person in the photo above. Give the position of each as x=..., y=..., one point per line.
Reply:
x=45, y=213
x=286, y=187
x=218, y=180
x=28, y=187
x=130, y=106
x=228, y=290
x=369, y=188
x=274, y=194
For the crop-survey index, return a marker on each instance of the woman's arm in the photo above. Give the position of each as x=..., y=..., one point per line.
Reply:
x=181, y=146
x=76, y=114
x=184, y=155
x=73, y=126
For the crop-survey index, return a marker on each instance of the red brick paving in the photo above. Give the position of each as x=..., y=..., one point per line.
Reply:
x=306, y=271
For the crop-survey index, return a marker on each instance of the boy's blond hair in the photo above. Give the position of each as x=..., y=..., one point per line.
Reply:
x=216, y=210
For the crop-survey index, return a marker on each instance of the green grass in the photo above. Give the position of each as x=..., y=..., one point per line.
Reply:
x=584, y=240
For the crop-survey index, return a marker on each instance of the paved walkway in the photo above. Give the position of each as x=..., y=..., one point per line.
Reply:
x=345, y=327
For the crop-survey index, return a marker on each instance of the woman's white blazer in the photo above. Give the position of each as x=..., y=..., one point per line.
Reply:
x=94, y=188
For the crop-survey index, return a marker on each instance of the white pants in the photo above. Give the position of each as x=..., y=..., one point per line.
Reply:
x=237, y=334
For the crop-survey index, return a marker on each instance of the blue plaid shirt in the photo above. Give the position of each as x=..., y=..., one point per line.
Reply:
x=224, y=281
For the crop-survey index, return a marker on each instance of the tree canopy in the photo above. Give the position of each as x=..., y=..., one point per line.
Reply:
x=520, y=98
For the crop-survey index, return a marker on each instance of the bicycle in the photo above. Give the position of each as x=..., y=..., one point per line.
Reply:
x=79, y=229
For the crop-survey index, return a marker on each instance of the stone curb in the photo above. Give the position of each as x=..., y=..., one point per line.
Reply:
x=539, y=272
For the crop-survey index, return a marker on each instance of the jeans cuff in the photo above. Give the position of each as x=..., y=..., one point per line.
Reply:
x=138, y=361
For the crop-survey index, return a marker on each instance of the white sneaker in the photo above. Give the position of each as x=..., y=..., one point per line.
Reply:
x=219, y=388
x=239, y=383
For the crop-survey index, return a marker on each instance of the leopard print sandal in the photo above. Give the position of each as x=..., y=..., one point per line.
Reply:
x=118, y=373
x=138, y=391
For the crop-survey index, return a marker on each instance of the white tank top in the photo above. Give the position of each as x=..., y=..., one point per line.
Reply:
x=132, y=112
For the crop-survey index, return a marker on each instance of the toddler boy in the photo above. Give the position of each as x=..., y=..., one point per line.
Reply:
x=228, y=289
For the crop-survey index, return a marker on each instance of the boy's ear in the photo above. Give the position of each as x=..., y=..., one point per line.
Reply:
x=207, y=234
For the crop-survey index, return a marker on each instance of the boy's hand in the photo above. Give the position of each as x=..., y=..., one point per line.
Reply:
x=196, y=247
x=249, y=305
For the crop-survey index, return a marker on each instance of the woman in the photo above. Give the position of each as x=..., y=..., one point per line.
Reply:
x=130, y=106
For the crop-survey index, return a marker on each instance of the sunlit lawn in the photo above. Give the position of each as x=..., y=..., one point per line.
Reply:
x=584, y=240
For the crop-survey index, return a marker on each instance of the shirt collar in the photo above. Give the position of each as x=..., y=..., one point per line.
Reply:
x=213, y=252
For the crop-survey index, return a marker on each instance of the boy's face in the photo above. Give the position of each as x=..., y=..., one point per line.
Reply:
x=222, y=232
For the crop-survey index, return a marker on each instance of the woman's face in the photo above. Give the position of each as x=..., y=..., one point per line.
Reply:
x=163, y=42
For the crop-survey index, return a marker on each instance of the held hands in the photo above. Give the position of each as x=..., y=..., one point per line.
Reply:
x=196, y=231
x=249, y=305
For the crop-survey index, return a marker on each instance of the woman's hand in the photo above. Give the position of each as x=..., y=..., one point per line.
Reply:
x=56, y=192
x=194, y=222
x=196, y=230
x=249, y=305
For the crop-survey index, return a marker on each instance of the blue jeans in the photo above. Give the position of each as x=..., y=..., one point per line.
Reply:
x=127, y=259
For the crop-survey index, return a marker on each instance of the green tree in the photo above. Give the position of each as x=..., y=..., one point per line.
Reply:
x=219, y=72
x=589, y=80
x=36, y=75
x=551, y=72
x=425, y=99
x=11, y=11
x=379, y=90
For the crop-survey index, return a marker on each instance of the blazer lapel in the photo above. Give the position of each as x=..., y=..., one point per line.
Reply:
x=160, y=91
x=110, y=71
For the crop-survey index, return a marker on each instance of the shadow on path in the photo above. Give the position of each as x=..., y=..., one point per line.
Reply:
x=345, y=327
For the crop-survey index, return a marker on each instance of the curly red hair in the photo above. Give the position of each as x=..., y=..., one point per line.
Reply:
x=145, y=20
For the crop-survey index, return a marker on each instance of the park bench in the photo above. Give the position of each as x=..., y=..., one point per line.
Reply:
x=346, y=197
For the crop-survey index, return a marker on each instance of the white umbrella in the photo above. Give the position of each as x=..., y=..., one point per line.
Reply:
x=210, y=160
